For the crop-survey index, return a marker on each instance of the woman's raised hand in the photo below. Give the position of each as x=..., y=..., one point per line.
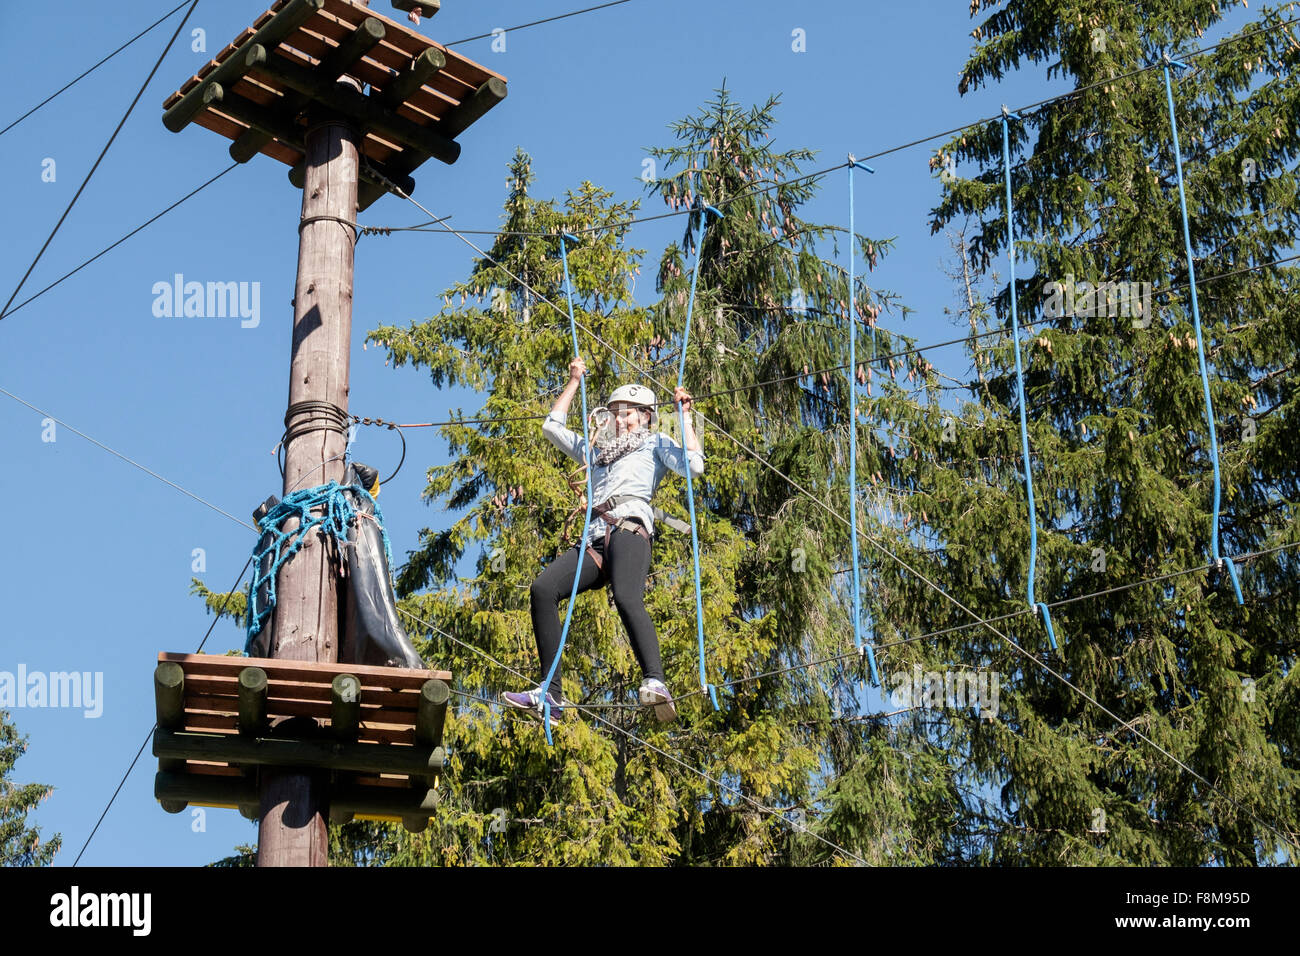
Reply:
x=684, y=397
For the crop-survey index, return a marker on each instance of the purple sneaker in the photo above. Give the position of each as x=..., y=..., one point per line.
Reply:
x=653, y=693
x=531, y=701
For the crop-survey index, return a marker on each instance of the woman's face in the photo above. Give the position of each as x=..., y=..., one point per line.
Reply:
x=627, y=418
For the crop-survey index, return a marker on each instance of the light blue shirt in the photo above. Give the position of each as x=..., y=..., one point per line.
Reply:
x=636, y=473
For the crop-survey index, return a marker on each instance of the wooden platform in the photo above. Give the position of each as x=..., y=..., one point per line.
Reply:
x=420, y=96
x=375, y=731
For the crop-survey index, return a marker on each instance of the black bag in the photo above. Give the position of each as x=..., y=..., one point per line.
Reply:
x=372, y=632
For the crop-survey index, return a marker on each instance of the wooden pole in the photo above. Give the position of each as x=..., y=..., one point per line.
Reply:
x=294, y=805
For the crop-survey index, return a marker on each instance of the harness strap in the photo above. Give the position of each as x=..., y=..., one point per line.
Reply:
x=628, y=523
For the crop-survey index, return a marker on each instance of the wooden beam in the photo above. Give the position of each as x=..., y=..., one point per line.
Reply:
x=427, y=8
x=359, y=108
x=411, y=79
x=345, y=707
x=323, y=754
x=363, y=39
x=432, y=713
x=275, y=30
x=394, y=801
x=220, y=664
x=169, y=694
x=268, y=122
x=252, y=701
x=203, y=788
x=492, y=92
x=345, y=799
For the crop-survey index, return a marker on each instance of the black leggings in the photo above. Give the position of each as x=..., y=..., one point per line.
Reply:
x=626, y=566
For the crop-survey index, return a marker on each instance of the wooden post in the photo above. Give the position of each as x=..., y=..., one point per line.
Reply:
x=294, y=805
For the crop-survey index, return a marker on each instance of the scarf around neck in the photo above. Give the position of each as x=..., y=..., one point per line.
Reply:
x=616, y=448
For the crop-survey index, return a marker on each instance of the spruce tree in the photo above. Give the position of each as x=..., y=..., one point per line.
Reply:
x=1119, y=445
x=768, y=302
x=20, y=841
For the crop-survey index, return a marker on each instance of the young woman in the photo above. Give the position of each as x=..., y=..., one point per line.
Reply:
x=632, y=458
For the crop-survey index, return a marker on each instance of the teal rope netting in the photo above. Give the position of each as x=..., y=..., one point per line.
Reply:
x=337, y=516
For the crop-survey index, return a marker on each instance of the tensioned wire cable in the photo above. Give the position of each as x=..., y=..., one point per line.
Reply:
x=104, y=152
x=772, y=811
x=963, y=340
x=110, y=248
x=536, y=23
x=817, y=174
x=129, y=461
x=82, y=76
x=1014, y=614
x=744, y=194
x=593, y=707
x=149, y=736
x=738, y=197
x=900, y=353
x=870, y=539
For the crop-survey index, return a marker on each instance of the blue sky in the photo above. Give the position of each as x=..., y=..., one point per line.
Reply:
x=97, y=571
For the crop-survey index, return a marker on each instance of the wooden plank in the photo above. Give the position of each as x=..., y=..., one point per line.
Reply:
x=212, y=64
x=457, y=79
x=263, y=120
x=217, y=122
x=308, y=45
x=362, y=109
x=322, y=754
x=372, y=717
x=394, y=57
x=423, y=109
x=227, y=723
x=286, y=20
x=411, y=42
x=388, y=700
x=390, y=677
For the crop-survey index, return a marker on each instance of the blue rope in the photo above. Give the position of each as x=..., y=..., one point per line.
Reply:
x=1200, y=345
x=586, y=524
x=863, y=649
x=338, y=515
x=704, y=209
x=1020, y=388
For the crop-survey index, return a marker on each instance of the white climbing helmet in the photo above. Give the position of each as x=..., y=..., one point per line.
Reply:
x=637, y=395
